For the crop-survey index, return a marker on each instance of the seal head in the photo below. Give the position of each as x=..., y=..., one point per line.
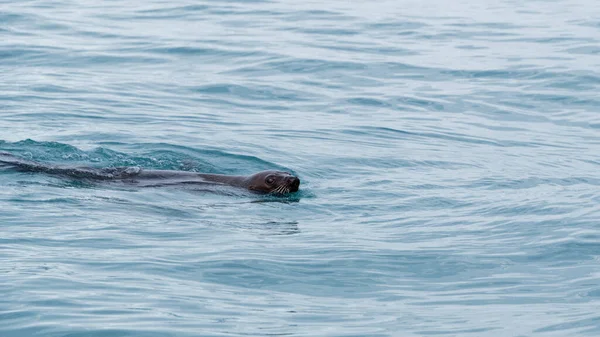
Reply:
x=275, y=182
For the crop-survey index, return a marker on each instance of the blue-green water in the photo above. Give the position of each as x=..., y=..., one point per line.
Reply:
x=448, y=151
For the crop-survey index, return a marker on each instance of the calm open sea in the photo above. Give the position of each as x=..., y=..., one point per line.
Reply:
x=449, y=153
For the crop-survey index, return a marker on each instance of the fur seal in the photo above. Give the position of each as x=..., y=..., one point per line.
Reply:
x=271, y=181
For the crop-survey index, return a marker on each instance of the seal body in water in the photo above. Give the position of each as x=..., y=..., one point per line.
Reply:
x=275, y=182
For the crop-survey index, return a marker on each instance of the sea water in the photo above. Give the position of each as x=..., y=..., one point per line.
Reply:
x=448, y=153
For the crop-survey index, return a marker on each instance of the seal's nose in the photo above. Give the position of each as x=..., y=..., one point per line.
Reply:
x=294, y=183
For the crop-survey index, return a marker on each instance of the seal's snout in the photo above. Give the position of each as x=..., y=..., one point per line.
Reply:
x=294, y=183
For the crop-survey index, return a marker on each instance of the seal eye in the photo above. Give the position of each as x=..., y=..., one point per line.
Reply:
x=270, y=180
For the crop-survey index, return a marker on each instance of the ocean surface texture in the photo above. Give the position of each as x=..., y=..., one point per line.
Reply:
x=449, y=153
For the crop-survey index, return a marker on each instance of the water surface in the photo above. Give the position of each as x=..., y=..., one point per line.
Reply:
x=448, y=154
